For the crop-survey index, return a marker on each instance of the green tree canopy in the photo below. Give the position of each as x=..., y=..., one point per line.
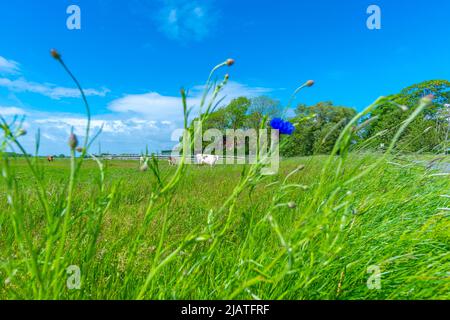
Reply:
x=259, y=108
x=320, y=132
x=427, y=132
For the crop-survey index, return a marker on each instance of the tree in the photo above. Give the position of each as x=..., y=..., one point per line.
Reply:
x=318, y=134
x=231, y=116
x=440, y=89
x=236, y=113
x=259, y=108
x=217, y=119
x=427, y=131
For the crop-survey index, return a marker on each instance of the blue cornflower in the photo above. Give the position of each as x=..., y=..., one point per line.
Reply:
x=276, y=123
x=285, y=127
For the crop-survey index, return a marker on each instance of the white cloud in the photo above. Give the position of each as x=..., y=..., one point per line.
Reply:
x=185, y=20
x=158, y=107
x=49, y=90
x=8, y=66
x=11, y=111
x=152, y=105
x=20, y=84
x=119, y=134
x=110, y=126
x=49, y=137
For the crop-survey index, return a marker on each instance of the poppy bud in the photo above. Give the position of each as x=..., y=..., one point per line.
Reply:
x=230, y=62
x=292, y=205
x=309, y=83
x=73, y=141
x=55, y=54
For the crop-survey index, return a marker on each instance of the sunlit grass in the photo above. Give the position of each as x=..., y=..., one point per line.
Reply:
x=389, y=219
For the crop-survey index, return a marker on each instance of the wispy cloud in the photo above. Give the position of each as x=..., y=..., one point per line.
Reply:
x=235, y=89
x=109, y=126
x=15, y=82
x=152, y=105
x=186, y=20
x=49, y=90
x=8, y=66
x=11, y=111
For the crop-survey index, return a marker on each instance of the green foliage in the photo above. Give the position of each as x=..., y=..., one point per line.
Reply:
x=243, y=113
x=440, y=89
x=428, y=132
x=236, y=113
x=319, y=133
x=261, y=107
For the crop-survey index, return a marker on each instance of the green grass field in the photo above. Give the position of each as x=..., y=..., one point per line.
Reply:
x=351, y=225
x=318, y=235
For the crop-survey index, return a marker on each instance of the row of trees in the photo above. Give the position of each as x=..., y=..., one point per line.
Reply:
x=429, y=132
x=243, y=113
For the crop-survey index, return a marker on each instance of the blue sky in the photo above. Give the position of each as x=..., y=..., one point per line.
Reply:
x=133, y=56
